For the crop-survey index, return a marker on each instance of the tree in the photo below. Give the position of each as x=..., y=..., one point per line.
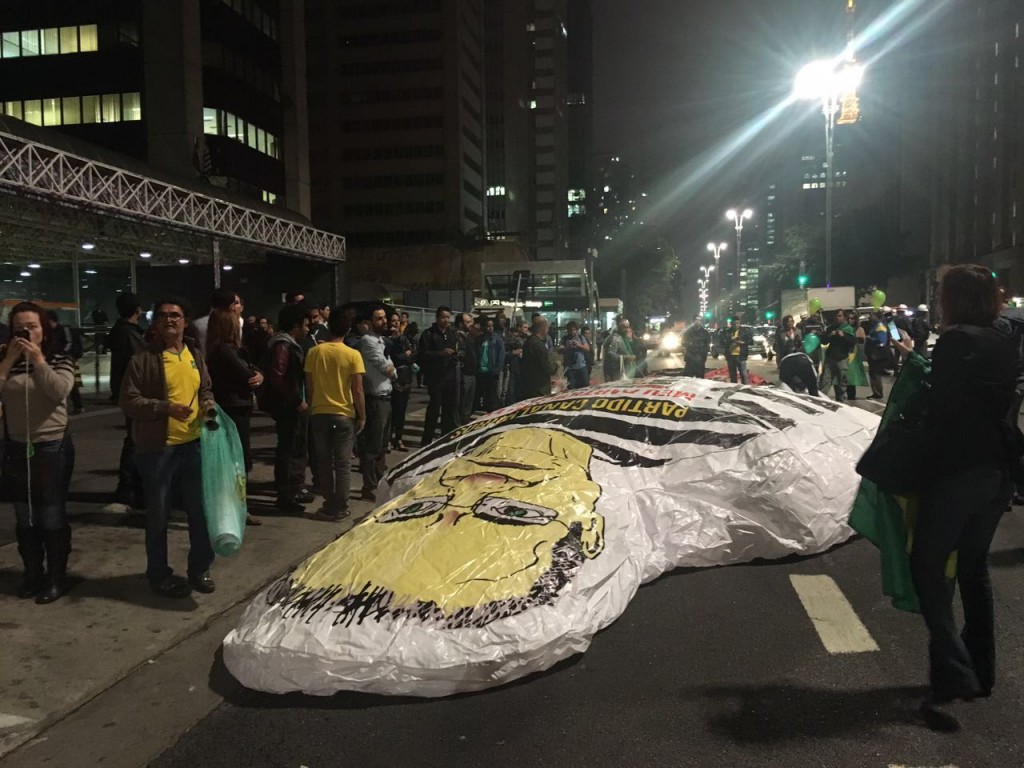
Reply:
x=653, y=284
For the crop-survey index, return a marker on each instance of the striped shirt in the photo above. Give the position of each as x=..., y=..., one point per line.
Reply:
x=44, y=416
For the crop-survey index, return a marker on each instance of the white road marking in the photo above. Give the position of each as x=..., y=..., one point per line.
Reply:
x=12, y=721
x=832, y=615
x=900, y=765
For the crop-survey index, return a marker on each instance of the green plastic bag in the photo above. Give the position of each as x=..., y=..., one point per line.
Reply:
x=223, y=483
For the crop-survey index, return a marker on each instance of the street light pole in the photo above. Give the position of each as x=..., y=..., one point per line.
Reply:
x=716, y=251
x=829, y=82
x=737, y=218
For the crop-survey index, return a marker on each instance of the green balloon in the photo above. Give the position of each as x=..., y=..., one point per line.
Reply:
x=814, y=305
x=811, y=343
x=877, y=299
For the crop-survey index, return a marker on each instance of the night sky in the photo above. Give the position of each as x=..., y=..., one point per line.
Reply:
x=674, y=78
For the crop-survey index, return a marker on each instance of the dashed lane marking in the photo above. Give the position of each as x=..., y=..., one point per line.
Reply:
x=834, y=619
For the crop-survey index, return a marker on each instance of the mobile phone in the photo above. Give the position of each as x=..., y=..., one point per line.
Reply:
x=894, y=331
x=22, y=333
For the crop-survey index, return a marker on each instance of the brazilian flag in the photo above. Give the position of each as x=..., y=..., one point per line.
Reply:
x=887, y=521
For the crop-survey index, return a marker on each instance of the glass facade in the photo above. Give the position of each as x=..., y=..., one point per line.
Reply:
x=73, y=110
x=52, y=41
x=219, y=122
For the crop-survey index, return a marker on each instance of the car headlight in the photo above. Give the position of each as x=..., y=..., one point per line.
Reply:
x=671, y=342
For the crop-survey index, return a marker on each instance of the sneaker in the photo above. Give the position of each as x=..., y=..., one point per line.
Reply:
x=367, y=495
x=304, y=497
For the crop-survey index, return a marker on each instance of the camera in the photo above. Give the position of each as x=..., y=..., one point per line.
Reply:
x=22, y=333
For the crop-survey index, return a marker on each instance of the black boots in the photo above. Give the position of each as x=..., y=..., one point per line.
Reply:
x=30, y=547
x=58, y=547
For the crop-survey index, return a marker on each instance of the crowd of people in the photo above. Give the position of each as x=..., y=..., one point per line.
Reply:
x=336, y=383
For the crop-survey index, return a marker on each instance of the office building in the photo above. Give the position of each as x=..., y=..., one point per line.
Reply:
x=198, y=88
x=397, y=132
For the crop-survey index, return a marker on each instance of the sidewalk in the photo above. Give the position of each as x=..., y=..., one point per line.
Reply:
x=57, y=658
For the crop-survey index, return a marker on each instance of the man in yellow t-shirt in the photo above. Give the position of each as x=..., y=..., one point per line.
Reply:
x=166, y=390
x=334, y=383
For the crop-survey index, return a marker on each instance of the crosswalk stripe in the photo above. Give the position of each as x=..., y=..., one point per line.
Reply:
x=834, y=619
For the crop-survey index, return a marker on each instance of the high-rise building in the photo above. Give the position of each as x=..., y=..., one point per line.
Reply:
x=978, y=201
x=549, y=28
x=210, y=88
x=397, y=132
x=579, y=106
x=509, y=135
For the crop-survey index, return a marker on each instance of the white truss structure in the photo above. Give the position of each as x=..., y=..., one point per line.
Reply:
x=33, y=169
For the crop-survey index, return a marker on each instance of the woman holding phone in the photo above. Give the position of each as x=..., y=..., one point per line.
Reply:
x=35, y=382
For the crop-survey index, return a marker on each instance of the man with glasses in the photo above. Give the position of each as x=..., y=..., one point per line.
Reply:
x=166, y=389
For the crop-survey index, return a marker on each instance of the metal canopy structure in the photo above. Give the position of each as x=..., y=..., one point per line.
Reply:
x=55, y=199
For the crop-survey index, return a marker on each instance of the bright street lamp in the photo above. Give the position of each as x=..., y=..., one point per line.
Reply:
x=737, y=218
x=829, y=81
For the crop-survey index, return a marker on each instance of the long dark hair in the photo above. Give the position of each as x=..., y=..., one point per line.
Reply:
x=969, y=295
x=51, y=344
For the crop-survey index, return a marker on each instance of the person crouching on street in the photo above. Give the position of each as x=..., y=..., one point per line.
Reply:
x=165, y=390
x=38, y=453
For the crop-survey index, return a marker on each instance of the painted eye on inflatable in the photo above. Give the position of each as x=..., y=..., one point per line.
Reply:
x=418, y=508
x=513, y=512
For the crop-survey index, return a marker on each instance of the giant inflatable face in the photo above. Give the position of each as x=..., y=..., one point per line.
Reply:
x=488, y=534
x=506, y=546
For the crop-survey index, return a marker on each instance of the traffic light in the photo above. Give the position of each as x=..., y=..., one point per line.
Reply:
x=707, y=315
x=801, y=280
x=769, y=315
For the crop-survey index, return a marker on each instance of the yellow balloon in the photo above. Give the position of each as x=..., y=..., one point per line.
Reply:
x=814, y=305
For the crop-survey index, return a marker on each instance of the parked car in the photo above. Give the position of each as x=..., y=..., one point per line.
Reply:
x=764, y=341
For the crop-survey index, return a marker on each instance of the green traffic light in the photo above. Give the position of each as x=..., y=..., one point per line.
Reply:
x=769, y=315
x=802, y=281
x=707, y=315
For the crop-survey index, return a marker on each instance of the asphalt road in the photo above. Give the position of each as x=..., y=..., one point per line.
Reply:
x=710, y=667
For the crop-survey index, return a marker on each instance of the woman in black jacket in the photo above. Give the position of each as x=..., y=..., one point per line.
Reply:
x=973, y=448
x=234, y=378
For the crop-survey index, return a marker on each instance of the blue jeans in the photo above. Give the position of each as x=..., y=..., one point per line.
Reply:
x=52, y=463
x=176, y=467
x=334, y=435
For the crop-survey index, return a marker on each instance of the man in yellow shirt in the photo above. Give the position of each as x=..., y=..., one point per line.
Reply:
x=334, y=384
x=165, y=390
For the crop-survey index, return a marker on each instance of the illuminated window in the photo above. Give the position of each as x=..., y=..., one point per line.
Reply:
x=89, y=39
x=209, y=120
x=51, y=112
x=69, y=39
x=72, y=110
x=131, y=106
x=111, y=107
x=13, y=109
x=90, y=109
x=11, y=45
x=34, y=112
x=30, y=42
x=50, y=44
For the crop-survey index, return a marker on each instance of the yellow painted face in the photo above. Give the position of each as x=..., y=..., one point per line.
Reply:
x=481, y=529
